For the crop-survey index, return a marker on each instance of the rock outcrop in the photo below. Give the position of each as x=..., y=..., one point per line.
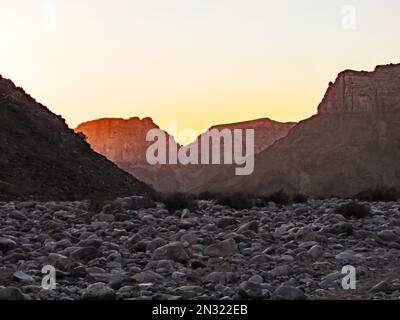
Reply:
x=41, y=157
x=123, y=141
x=352, y=144
x=367, y=92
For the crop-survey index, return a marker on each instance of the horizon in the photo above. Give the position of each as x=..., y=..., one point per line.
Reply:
x=200, y=64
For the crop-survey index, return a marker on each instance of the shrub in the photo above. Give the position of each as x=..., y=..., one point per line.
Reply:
x=380, y=194
x=236, y=201
x=96, y=202
x=206, y=195
x=299, y=198
x=280, y=197
x=154, y=196
x=179, y=201
x=353, y=210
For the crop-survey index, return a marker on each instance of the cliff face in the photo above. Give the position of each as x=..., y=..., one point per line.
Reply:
x=124, y=143
x=41, y=157
x=352, y=144
x=119, y=140
x=370, y=92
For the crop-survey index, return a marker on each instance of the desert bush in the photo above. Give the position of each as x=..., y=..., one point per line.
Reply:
x=179, y=201
x=96, y=202
x=236, y=201
x=154, y=196
x=207, y=195
x=353, y=210
x=299, y=198
x=379, y=194
x=280, y=197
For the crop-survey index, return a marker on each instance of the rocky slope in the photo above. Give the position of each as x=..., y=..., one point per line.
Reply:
x=41, y=157
x=352, y=144
x=128, y=251
x=124, y=143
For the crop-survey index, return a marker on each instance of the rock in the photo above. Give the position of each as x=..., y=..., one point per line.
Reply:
x=7, y=245
x=315, y=251
x=346, y=256
x=221, y=249
x=17, y=216
x=99, y=291
x=22, y=276
x=285, y=292
x=186, y=223
x=387, y=235
x=256, y=279
x=12, y=293
x=261, y=259
x=281, y=271
x=226, y=222
x=328, y=284
x=251, y=290
x=382, y=286
x=60, y=262
x=85, y=254
x=154, y=244
x=172, y=251
x=252, y=226
x=217, y=277
x=148, y=277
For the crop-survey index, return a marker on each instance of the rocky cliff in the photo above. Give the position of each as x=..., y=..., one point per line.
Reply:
x=124, y=143
x=351, y=145
x=40, y=157
x=370, y=92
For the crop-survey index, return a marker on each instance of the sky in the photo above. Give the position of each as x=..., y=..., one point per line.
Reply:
x=197, y=62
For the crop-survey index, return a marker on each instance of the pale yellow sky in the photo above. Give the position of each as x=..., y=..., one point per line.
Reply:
x=197, y=62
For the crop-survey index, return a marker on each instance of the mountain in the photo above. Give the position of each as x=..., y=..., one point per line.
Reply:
x=40, y=157
x=266, y=133
x=124, y=142
x=352, y=144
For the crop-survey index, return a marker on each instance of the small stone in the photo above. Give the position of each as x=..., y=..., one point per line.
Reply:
x=226, y=222
x=382, y=286
x=315, y=251
x=251, y=290
x=285, y=292
x=148, y=276
x=256, y=279
x=7, y=244
x=217, y=277
x=85, y=254
x=281, y=271
x=221, y=249
x=22, y=276
x=172, y=251
x=387, y=235
x=346, y=256
x=155, y=244
x=252, y=226
x=12, y=293
x=99, y=291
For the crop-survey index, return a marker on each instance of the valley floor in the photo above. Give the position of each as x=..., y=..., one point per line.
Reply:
x=289, y=252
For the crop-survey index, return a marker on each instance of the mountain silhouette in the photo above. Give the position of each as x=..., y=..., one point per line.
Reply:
x=40, y=157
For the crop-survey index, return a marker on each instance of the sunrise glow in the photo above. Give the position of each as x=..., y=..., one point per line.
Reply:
x=197, y=62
